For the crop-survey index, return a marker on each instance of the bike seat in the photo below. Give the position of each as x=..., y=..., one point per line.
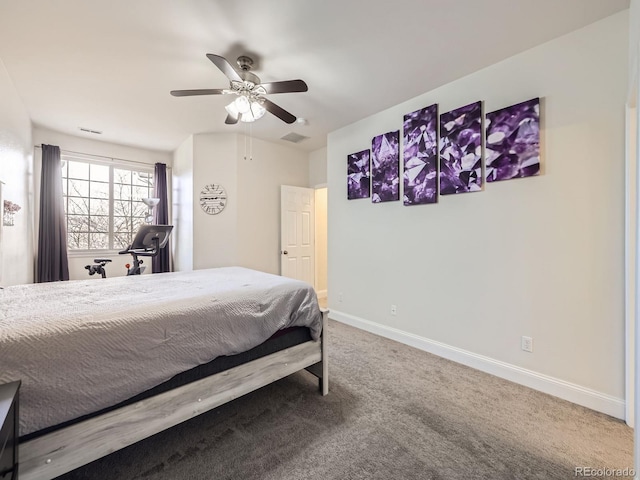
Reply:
x=101, y=260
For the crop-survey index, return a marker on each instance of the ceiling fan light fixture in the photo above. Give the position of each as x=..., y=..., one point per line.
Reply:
x=253, y=110
x=250, y=104
x=242, y=104
x=257, y=111
x=232, y=109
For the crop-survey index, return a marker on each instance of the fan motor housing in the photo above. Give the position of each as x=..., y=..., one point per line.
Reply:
x=245, y=63
x=247, y=76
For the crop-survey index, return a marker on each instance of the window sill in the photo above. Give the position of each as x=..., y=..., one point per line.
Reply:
x=92, y=253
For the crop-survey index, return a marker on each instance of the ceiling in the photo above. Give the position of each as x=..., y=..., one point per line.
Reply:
x=109, y=65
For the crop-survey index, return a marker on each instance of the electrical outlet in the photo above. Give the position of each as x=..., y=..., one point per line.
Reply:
x=340, y=297
x=527, y=344
x=394, y=309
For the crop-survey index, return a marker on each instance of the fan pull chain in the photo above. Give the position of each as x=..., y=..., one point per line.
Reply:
x=248, y=127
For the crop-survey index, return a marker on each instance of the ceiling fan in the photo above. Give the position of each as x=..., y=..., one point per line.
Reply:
x=250, y=103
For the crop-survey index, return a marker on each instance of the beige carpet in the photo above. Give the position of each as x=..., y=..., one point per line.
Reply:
x=393, y=413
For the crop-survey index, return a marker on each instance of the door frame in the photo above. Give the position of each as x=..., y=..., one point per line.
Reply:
x=631, y=263
x=316, y=286
x=632, y=289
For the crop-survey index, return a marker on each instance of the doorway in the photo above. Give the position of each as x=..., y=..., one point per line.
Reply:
x=321, y=245
x=297, y=233
x=303, y=236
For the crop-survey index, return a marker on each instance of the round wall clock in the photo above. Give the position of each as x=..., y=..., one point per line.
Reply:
x=213, y=198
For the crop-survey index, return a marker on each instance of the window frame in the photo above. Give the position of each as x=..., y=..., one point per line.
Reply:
x=112, y=164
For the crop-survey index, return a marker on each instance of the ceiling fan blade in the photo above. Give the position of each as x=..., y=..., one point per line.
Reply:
x=224, y=66
x=285, y=87
x=231, y=120
x=279, y=112
x=189, y=93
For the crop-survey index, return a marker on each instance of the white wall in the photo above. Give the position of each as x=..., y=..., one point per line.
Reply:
x=16, y=171
x=259, y=182
x=634, y=40
x=215, y=237
x=247, y=231
x=318, y=167
x=541, y=256
x=78, y=261
x=183, y=201
x=93, y=146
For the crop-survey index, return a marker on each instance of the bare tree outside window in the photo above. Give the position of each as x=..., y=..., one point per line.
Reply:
x=103, y=204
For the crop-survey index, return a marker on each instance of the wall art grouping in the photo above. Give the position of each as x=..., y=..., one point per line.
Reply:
x=420, y=155
x=513, y=141
x=512, y=150
x=385, y=167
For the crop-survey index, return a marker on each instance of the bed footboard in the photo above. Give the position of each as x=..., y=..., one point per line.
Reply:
x=61, y=451
x=321, y=369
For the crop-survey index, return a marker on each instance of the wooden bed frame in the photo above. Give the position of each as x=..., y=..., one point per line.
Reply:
x=59, y=452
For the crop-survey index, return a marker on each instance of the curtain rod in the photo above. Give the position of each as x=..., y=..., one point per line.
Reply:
x=135, y=162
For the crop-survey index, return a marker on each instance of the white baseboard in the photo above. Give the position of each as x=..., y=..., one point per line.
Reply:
x=321, y=293
x=586, y=397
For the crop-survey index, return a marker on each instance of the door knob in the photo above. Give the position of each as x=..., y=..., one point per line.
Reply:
x=285, y=252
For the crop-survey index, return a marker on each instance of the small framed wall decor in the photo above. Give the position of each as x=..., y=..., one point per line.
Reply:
x=213, y=198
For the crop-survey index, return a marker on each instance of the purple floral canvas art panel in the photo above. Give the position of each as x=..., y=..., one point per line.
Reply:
x=420, y=153
x=513, y=141
x=461, y=150
x=358, y=175
x=385, y=167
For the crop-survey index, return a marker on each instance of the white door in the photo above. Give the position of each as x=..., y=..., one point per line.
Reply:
x=297, y=235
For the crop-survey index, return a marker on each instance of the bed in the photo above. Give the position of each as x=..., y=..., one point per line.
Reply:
x=106, y=363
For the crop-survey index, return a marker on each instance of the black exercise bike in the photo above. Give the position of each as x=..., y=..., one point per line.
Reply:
x=148, y=242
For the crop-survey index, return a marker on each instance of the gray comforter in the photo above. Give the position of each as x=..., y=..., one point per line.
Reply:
x=82, y=346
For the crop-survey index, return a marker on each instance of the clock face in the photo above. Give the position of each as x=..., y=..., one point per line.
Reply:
x=213, y=198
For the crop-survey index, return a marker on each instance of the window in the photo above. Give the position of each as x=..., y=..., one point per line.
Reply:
x=103, y=203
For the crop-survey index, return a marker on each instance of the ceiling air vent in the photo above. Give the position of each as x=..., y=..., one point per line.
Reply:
x=88, y=130
x=294, y=137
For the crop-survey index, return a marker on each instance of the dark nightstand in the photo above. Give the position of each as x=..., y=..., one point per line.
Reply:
x=9, y=431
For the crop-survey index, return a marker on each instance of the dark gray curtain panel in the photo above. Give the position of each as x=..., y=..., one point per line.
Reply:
x=161, y=262
x=53, y=264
